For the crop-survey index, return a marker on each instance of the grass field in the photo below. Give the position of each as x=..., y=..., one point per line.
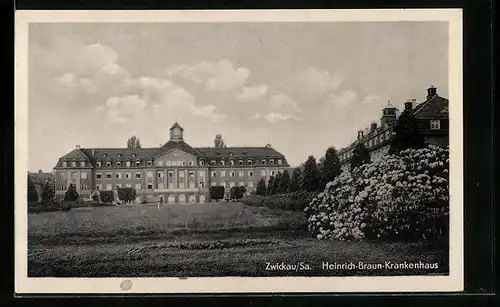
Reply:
x=212, y=239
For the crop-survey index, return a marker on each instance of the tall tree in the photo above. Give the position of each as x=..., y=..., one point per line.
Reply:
x=284, y=182
x=407, y=135
x=48, y=193
x=295, y=180
x=261, y=187
x=276, y=183
x=133, y=142
x=330, y=166
x=311, y=175
x=71, y=194
x=270, y=185
x=360, y=156
x=32, y=193
x=219, y=142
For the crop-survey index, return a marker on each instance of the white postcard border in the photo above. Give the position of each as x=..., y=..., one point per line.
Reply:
x=453, y=282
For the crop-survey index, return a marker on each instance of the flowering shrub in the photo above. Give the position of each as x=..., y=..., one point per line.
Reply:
x=290, y=201
x=396, y=197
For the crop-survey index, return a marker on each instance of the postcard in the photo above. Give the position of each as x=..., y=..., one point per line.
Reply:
x=252, y=151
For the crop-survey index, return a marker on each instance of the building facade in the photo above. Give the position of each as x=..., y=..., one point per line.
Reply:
x=172, y=173
x=431, y=117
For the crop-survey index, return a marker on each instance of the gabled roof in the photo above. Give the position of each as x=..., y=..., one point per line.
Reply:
x=433, y=107
x=241, y=152
x=180, y=145
x=76, y=154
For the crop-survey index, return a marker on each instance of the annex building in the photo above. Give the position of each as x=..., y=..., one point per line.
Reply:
x=172, y=173
x=432, y=120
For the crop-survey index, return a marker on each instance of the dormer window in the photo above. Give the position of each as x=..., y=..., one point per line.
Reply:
x=190, y=163
x=271, y=161
x=231, y=162
x=82, y=164
x=280, y=161
x=435, y=124
x=108, y=164
x=150, y=162
x=65, y=164
x=73, y=164
x=138, y=163
x=240, y=162
x=98, y=163
x=249, y=162
x=263, y=161
x=222, y=162
x=202, y=162
x=127, y=163
x=212, y=162
x=118, y=163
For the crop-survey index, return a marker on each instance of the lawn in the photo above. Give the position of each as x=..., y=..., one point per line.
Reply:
x=212, y=239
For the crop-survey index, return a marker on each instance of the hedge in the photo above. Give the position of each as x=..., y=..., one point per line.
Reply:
x=290, y=201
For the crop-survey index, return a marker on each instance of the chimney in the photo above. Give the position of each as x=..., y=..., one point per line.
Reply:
x=431, y=92
x=373, y=126
x=409, y=105
x=360, y=134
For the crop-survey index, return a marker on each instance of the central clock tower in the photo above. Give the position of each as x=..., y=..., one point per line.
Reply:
x=176, y=133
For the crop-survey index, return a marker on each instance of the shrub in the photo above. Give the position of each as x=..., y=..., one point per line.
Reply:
x=66, y=205
x=107, y=196
x=126, y=194
x=71, y=194
x=216, y=193
x=45, y=207
x=397, y=197
x=290, y=201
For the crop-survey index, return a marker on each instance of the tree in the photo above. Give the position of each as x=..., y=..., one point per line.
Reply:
x=133, y=142
x=126, y=194
x=106, y=196
x=311, y=175
x=270, y=185
x=407, y=134
x=276, y=183
x=261, y=187
x=330, y=167
x=295, y=180
x=32, y=193
x=216, y=192
x=237, y=192
x=360, y=156
x=95, y=197
x=284, y=182
x=219, y=142
x=48, y=193
x=71, y=194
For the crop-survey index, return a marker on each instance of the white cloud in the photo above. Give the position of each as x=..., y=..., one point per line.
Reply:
x=120, y=109
x=343, y=99
x=282, y=101
x=370, y=98
x=207, y=112
x=72, y=82
x=217, y=76
x=252, y=93
x=277, y=117
x=317, y=81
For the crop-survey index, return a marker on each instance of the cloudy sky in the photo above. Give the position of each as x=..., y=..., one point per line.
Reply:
x=301, y=87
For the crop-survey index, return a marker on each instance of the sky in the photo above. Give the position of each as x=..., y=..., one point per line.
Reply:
x=301, y=87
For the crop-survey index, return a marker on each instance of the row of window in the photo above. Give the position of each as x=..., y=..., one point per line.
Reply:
x=374, y=141
x=232, y=184
x=170, y=163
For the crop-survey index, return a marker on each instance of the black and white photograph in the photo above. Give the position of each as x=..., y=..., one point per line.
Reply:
x=239, y=151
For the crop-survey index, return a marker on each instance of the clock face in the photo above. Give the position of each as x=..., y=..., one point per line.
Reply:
x=177, y=132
